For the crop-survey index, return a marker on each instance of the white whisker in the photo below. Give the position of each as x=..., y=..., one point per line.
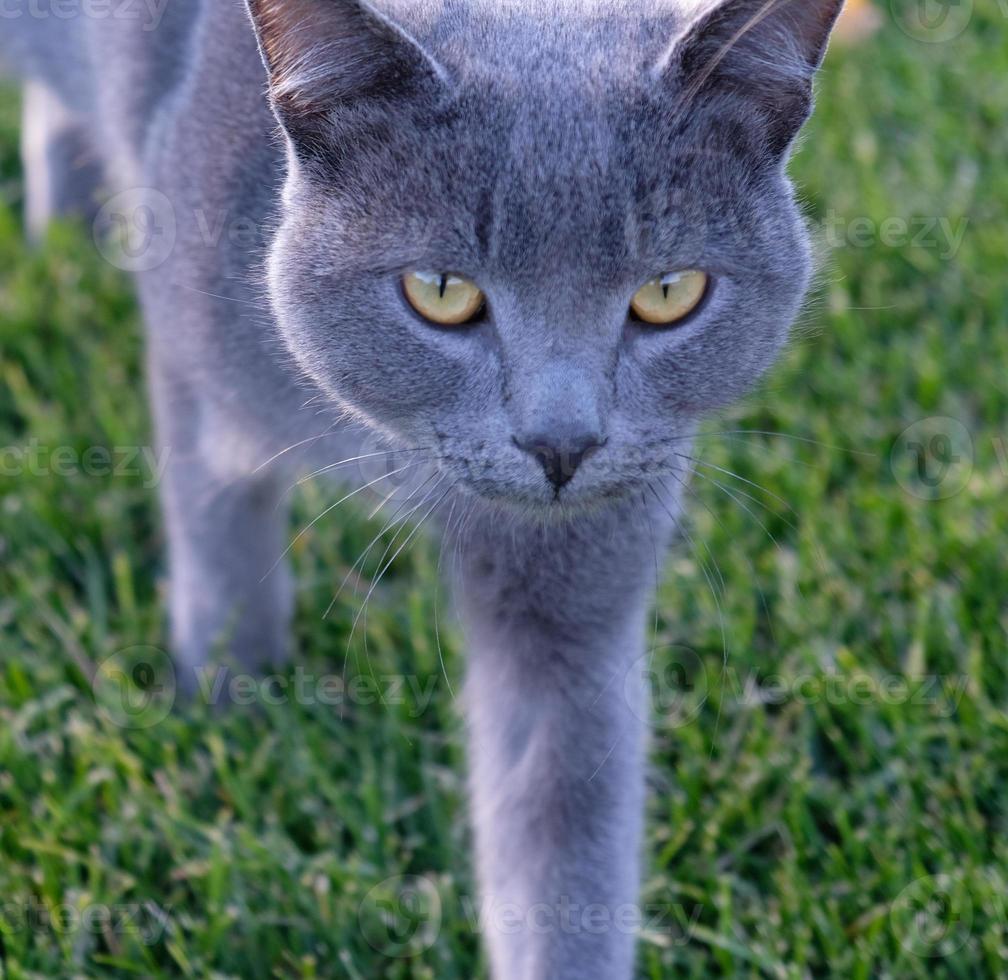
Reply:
x=291, y=448
x=327, y=511
x=710, y=583
x=398, y=551
x=329, y=467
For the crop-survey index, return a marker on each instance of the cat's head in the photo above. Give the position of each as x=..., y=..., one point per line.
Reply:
x=539, y=240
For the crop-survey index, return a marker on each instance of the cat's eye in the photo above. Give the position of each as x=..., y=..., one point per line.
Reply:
x=669, y=299
x=443, y=298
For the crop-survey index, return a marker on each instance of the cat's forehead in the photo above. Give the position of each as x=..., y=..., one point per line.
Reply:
x=588, y=166
x=513, y=43
x=535, y=183
x=581, y=188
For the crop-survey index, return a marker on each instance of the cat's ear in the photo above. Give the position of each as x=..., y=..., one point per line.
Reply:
x=325, y=55
x=766, y=51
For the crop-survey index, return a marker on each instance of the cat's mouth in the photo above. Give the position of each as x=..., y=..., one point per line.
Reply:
x=545, y=502
x=589, y=474
x=584, y=492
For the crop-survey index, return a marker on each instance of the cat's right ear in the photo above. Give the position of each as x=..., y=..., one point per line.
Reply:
x=324, y=56
x=765, y=52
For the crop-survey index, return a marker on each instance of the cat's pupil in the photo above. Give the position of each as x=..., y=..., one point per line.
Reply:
x=443, y=286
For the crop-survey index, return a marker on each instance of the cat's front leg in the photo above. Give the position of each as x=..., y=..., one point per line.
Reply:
x=231, y=593
x=555, y=623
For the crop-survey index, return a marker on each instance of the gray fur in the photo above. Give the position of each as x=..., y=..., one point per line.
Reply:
x=559, y=159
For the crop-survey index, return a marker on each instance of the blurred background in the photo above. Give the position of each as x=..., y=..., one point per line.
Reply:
x=830, y=758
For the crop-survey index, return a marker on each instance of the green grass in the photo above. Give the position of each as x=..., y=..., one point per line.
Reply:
x=809, y=817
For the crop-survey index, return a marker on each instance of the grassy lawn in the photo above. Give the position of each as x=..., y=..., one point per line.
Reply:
x=830, y=778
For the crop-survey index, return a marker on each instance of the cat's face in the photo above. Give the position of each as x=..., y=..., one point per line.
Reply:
x=552, y=193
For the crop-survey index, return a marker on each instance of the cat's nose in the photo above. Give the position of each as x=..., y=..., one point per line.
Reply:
x=560, y=456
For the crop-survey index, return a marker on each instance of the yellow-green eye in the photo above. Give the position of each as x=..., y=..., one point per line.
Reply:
x=670, y=298
x=443, y=298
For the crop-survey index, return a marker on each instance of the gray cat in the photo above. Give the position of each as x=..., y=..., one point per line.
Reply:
x=530, y=249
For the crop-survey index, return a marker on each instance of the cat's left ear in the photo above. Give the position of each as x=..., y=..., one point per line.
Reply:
x=323, y=56
x=766, y=51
